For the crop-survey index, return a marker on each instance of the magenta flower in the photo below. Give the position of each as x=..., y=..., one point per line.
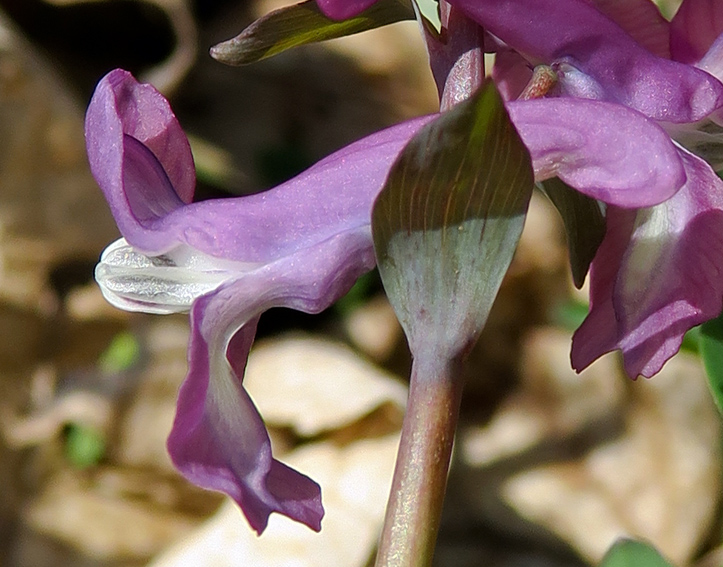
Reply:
x=299, y=245
x=659, y=271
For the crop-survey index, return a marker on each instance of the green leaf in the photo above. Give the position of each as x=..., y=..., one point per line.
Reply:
x=123, y=352
x=584, y=225
x=301, y=24
x=84, y=446
x=711, y=350
x=448, y=221
x=570, y=314
x=630, y=553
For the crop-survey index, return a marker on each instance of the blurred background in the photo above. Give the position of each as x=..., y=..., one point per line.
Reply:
x=550, y=467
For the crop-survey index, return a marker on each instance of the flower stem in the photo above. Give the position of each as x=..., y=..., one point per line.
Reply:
x=420, y=477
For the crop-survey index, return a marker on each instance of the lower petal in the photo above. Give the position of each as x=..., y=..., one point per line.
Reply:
x=670, y=278
x=218, y=439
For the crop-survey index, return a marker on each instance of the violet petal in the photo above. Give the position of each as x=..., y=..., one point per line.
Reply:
x=642, y=20
x=123, y=106
x=332, y=195
x=575, y=32
x=712, y=61
x=667, y=280
x=343, y=9
x=218, y=439
x=511, y=73
x=693, y=29
x=604, y=150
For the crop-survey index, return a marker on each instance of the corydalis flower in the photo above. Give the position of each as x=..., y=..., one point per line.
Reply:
x=658, y=271
x=299, y=245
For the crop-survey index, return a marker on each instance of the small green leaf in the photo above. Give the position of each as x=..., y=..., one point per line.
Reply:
x=570, y=314
x=584, y=225
x=123, y=352
x=711, y=349
x=448, y=220
x=301, y=24
x=630, y=553
x=84, y=446
x=691, y=341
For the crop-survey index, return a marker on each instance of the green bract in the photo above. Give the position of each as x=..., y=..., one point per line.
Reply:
x=301, y=24
x=584, y=225
x=711, y=349
x=448, y=220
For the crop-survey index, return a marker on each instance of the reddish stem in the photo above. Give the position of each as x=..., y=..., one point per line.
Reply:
x=420, y=477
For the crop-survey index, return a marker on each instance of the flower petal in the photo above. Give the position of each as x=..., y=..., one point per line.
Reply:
x=334, y=194
x=511, y=73
x=666, y=279
x=343, y=9
x=604, y=150
x=712, y=61
x=575, y=32
x=694, y=28
x=457, y=61
x=120, y=107
x=218, y=439
x=642, y=20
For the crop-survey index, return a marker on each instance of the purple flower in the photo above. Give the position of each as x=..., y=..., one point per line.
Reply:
x=300, y=245
x=659, y=271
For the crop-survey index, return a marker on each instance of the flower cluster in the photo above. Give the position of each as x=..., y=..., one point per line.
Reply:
x=633, y=106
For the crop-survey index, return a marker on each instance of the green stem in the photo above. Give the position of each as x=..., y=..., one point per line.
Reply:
x=420, y=477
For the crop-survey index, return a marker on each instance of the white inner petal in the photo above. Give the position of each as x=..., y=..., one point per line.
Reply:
x=168, y=283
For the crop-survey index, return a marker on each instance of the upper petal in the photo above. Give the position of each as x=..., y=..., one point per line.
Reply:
x=121, y=106
x=334, y=194
x=218, y=439
x=694, y=28
x=604, y=150
x=574, y=31
x=343, y=9
x=642, y=20
x=667, y=280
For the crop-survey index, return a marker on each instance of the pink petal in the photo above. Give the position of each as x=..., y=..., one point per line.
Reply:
x=218, y=439
x=511, y=73
x=694, y=28
x=668, y=279
x=576, y=33
x=122, y=106
x=605, y=150
x=642, y=20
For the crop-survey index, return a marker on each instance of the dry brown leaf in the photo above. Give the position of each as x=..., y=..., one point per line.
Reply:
x=313, y=385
